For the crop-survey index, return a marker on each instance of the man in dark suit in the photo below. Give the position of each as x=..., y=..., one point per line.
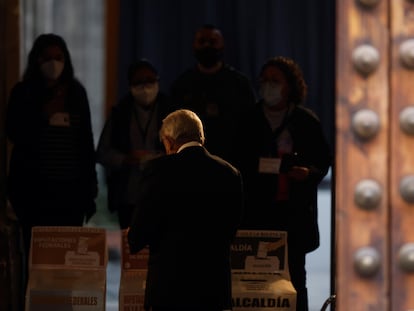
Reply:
x=188, y=210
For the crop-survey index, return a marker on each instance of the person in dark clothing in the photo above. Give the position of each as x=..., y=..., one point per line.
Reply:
x=283, y=157
x=188, y=209
x=130, y=137
x=52, y=178
x=214, y=90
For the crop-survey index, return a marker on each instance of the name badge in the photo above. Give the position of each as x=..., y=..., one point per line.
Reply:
x=269, y=165
x=60, y=119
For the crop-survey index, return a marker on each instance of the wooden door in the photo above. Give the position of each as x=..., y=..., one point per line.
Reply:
x=374, y=192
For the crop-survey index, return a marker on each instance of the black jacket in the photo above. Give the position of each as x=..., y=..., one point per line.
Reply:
x=25, y=124
x=121, y=116
x=220, y=100
x=299, y=216
x=188, y=210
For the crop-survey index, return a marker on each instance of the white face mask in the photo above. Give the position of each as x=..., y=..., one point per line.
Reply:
x=145, y=94
x=271, y=93
x=52, y=69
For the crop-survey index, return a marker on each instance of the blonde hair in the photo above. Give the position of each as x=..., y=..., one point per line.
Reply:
x=183, y=126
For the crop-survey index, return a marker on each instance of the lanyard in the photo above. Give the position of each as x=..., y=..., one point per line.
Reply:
x=144, y=130
x=276, y=133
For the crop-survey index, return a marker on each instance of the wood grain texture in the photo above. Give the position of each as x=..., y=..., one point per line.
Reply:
x=401, y=153
x=358, y=159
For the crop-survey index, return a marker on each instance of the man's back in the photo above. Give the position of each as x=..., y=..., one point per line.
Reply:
x=192, y=205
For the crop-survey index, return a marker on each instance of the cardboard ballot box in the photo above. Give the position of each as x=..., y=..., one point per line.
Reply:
x=260, y=273
x=67, y=269
x=133, y=277
x=263, y=292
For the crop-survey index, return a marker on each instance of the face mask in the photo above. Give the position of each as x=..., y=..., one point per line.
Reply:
x=52, y=69
x=145, y=94
x=271, y=93
x=208, y=57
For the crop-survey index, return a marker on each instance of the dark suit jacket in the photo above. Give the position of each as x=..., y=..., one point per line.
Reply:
x=188, y=211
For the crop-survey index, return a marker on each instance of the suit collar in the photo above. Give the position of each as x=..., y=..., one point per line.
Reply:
x=189, y=144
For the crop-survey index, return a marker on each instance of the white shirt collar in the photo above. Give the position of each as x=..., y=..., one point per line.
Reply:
x=189, y=144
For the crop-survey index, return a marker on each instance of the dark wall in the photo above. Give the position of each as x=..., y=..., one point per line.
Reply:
x=162, y=31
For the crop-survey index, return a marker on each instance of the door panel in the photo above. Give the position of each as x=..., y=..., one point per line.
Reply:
x=375, y=155
x=362, y=176
x=402, y=154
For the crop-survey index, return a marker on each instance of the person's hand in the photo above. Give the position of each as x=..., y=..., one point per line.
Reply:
x=132, y=159
x=140, y=157
x=298, y=173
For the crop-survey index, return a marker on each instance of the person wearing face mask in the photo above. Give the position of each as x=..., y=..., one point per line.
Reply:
x=130, y=137
x=52, y=178
x=217, y=92
x=284, y=156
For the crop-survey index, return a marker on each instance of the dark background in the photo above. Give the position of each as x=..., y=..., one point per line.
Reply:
x=254, y=30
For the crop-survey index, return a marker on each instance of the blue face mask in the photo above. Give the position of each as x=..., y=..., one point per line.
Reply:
x=271, y=93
